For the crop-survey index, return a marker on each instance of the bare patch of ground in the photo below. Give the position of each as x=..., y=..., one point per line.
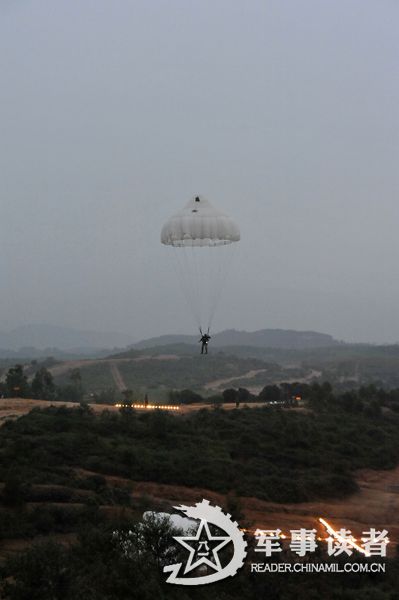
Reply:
x=65, y=367
x=12, y=408
x=219, y=383
x=215, y=385
x=375, y=505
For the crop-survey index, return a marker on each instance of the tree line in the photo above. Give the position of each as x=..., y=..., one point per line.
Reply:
x=42, y=385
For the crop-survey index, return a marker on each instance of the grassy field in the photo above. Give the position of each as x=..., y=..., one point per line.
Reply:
x=180, y=366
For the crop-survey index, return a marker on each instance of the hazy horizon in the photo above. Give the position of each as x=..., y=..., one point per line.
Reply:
x=284, y=115
x=42, y=328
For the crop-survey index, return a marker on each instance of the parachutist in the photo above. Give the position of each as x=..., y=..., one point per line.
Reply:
x=205, y=337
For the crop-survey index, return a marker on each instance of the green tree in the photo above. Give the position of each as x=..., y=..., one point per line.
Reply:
x=41, y=573
x=75, y=376
x=270, y=393
x=73, y=392
x=184, y=397
x=17, y=383
x=230, y=396
x=244, y=395
x=70, y=393
x=43, y=385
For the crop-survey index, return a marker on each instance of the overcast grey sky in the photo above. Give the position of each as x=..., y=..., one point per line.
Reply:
x=283, y=113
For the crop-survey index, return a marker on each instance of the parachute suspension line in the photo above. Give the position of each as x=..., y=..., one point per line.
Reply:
x=198, y=280
x=201, y=269
x=211, y=265
x=222, y=273
x=191, y=270
x=202, y=272
x=214, y=260
x=183, y=275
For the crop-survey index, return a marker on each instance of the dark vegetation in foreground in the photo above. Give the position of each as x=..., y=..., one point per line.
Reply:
x=274, y=454
x=98, y=566
x=54, y=464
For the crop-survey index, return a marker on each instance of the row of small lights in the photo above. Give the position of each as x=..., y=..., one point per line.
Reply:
x=149, y=406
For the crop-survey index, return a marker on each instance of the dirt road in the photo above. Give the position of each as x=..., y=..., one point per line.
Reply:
x=118, y=379
x=215, y=385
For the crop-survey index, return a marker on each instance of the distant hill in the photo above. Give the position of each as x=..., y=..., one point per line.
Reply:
x=165, y=340
x=265, y=338
x=35, y=341
x=43, y=336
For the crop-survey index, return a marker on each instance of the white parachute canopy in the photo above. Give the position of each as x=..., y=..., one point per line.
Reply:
x=203, y=241
x=199, y=224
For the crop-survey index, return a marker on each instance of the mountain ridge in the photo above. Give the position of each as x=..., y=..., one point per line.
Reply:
x=262, y=338
x=43, y=336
